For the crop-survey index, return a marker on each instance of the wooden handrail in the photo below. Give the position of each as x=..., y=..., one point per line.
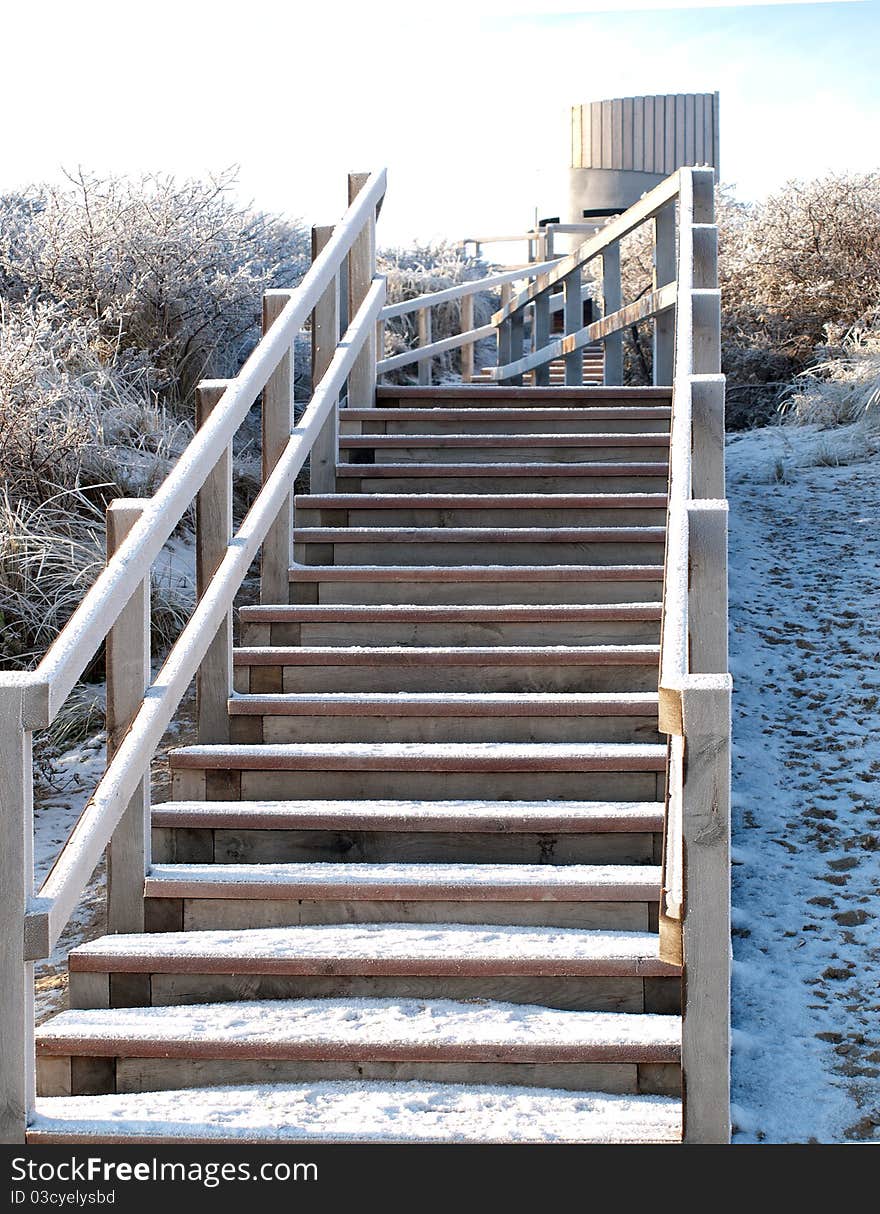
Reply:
x=472, y=287
x=78, y=641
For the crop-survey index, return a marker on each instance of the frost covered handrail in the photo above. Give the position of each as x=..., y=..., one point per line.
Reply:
x=116, y=608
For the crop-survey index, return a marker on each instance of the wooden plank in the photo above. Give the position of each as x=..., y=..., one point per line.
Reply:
x=627, y=133
x=706, y=922
x=612, y=299
x=424, y=319
x=707, y=420
x=472, y=287
x=638, y=133
x=680, y=132
x=707, y=586
x=17, y=1085
x=660, y=162
x=573, y=321
x=325, y=335
x=277, y=425
x=577, y=137
x=128, y=676
x=467, y=352
x=716, y=138
x=669, y=147
x=664, y=272
x=648, y=160
x=361, y=269
x=595, y=136
x=607, y=134
x=541, y=328
x=616, y=133
x=436, y=347
x=690, y=128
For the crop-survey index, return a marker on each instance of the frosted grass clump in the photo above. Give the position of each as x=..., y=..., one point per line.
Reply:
x=843, y=390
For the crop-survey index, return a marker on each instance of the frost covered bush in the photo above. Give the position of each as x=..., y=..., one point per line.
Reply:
x=170, y=272
x=423, y=270
x=842, y=390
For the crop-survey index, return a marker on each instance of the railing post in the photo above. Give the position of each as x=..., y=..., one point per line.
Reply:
x=573, y=318
x=361, y=269
x=664, y=272
x=325, y=336
x=467, y=352
x=541, y=322
x=213, y=533
x=277, y=427
x=128, y=677
x=517, y=322
x=707, y=421
x=612, y=301
x=424, y=318
x=17, y=1089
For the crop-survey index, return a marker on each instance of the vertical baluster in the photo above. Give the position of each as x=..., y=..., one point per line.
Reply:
x=128, y=676
x=467, y=352
x=277, y=427
x=325, y=336
x=541, y=322
x=361, y=269
x=573, y=316
x=16, y=887
x=517, y=322
x=213, y=533
x=424, y=317
x=664, y=272
x=612, y=302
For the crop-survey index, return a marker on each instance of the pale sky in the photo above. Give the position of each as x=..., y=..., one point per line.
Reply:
x=466, y=103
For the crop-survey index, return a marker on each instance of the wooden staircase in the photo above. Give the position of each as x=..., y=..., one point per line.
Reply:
x=415, y=896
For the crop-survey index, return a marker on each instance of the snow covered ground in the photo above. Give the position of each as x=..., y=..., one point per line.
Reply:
x=805, y=657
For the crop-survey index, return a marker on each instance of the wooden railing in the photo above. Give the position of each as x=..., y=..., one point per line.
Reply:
x=694, y=685
x=116, y=608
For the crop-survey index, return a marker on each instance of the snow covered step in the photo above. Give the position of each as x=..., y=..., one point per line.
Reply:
x=493, y=395
x=566, y=832
x=408, y=882
x=358, y=1112
x=555, y=967
x=497, y=771
x=598, y=476
x=477, y=545
x=561, y=419
x=444, y=717
x=413, y=668
x=215, y=895
x=138, y=1049
x=475, y=584
x=485, y=510
x=505, y=448
x=438, y=624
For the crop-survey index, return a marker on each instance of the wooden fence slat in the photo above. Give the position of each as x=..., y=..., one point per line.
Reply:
x=325, y=334
x=277, y=424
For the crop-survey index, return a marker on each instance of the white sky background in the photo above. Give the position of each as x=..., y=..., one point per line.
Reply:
x=466, y=103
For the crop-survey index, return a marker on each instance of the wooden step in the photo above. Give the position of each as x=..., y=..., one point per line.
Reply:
x=620, y=419
x=443, y=717
x=475, y=584
x=409, y=624
x=562, y=832
x=408, y=882
x=539, y=449
x=477, y=545
x=357, y=1112
x=493, y=395
x=199, y=897
x=139, y=1049
x=485, y=510
x=364, y=771
x=499, y=668
x=554, y=967
x=534, y=477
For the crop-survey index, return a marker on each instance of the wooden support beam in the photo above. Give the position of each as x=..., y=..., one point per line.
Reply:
x=128, y=677
x=325, y=336
x=213, y=533
x=17, y=1091
x=361, y=268
x=467, y=353
x=573, y=319
x=612, y=298
x=707, y=422
x=707, y=587
x=705, y=1046
x=425, y=339
x=664, y=272
x=541, y=337
x=517, y=322
x=277, y=549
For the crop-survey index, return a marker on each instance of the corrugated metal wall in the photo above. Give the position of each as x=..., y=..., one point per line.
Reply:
x=646, y=134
